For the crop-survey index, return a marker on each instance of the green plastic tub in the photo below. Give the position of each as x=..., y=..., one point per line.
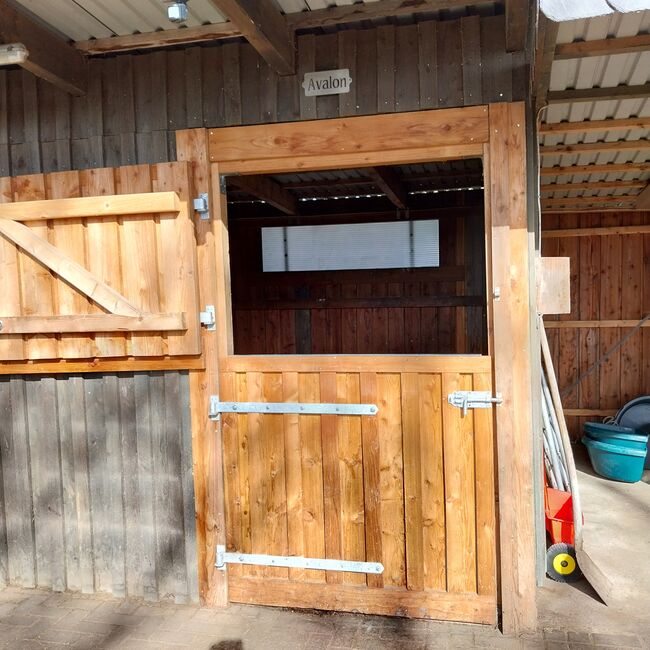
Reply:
x=615, y=461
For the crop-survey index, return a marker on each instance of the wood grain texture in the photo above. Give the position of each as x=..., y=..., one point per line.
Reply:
x=76, y=457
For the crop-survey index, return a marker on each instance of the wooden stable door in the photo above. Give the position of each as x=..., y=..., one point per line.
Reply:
x=412, y=487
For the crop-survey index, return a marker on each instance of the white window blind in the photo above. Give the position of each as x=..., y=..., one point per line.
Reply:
x=384, y=245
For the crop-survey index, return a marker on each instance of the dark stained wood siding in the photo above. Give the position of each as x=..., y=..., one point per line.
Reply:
x=610, y=280
x=136, y=102
x=96, y=488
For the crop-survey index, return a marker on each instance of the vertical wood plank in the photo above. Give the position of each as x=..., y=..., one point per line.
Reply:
x=385, y=69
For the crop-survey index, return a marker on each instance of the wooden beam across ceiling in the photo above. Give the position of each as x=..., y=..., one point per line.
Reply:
x=602, y=47
x=358, y=12
x=50, y=57
x=265, y=28
x=267, y=190
x=593, y=126
x=643, y=199
x=161, y=38
x=609, y=168
x=596, y=185
x=594, y=147
x=590, y=200
x=572, y=95
x=390, y=184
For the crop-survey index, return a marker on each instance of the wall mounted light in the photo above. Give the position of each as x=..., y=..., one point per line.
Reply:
x=13, y=54
x=177, y=11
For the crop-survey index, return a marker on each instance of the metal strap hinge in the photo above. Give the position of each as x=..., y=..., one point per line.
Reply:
x=473, y=399
x=209, y=318
x=297, y=408
x=202, y=206
x=295, y=562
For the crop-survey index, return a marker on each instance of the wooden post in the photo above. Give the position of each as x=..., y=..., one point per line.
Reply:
x=207, y=450
x=505, y=181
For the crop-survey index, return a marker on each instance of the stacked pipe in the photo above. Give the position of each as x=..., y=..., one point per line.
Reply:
x=554, y=456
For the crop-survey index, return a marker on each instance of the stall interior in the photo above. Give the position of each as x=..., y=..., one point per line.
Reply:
x=381, y=260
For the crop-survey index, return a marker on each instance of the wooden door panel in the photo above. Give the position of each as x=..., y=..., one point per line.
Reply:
x=411, y=487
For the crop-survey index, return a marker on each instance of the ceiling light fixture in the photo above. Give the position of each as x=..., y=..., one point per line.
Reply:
x=177, y=11
x=13, y=54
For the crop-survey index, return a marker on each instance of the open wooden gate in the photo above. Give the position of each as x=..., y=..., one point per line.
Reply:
x=412, y=487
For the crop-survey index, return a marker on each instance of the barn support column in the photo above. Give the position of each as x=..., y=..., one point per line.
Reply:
x=508, y=255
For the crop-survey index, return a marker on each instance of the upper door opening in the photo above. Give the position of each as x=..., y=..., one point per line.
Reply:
x=381, y=260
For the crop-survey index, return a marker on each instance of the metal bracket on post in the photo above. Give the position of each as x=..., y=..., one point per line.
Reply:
x=209, y=318
x=223, y=184
x=473, y=399
x=295, y=562
x=202, y=206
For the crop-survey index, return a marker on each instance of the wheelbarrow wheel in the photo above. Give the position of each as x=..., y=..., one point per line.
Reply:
x=561, y=563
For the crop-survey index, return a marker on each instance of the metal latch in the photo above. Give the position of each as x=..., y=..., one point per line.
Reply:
x=473, y=399
x=209, y=318
x=295, y=562
x=202, y=206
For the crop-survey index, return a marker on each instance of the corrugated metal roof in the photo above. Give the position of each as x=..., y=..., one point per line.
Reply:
x=592, y=72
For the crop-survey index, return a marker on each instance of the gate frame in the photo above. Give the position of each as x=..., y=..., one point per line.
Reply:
x=497, y=134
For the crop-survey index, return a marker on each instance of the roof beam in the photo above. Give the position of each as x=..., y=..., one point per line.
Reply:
x=516, y=25
x=602, y=47
x=268, y=191
x=592, y=126
x=596, y=185
x=643, y=199
x=390, y=184
x=596, y=169
x=161, y=38
x=546, y=37
x=265, y=28
x=590, y=200
x=594, y=147
x=50, y=57
x=597, y=94
x=358, y=12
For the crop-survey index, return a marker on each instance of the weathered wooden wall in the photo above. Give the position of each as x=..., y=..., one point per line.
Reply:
x=610, y=281
x=96, y=488
x=392, y=311
x=136, y=102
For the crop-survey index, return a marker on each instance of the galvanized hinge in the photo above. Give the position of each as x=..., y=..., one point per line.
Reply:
x=295, y=562
x=473, y=399
x=209, y=318
x=292, y=408
x=202, y=206
x=223, y=184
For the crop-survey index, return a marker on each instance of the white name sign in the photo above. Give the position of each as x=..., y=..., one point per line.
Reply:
x=327, y=82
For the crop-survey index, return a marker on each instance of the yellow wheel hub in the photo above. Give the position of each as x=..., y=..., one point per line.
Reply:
x=564, y=564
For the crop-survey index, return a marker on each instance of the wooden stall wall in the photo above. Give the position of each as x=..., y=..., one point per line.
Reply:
x=389, y=311
x=96, y=487
x=136, y=102
x=610, y=293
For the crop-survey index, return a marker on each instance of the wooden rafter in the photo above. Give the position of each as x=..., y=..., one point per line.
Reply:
x=358, y=12
x=50, y=57
x=594, y=147
x=603, y=47
x=598, y=94
x=643, y=199
x=265, y=28
x=592, y=126
x=389, y=183
x=91, y=206
x=597, y=185
x=601, y=231
x=161, y=38
x=67, y=269
x=267, y=190
x=609, y=168
x=591, y=200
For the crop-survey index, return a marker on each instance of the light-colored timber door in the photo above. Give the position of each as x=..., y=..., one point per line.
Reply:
x=412, y=487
